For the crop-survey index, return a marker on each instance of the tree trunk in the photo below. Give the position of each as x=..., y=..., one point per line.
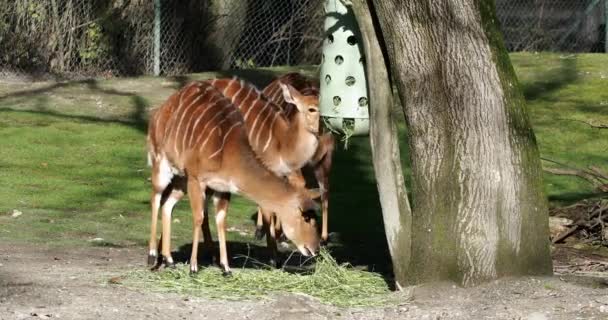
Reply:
x=223, y=31
x=479, y=211
x=384, y=138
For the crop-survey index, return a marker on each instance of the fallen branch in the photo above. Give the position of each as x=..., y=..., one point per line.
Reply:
x=597, y=126
x=565, y=234
x=594, y=175
x=572, y=172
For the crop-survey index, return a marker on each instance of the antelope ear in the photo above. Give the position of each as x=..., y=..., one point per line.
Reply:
x=290, y=94
x=314, y=193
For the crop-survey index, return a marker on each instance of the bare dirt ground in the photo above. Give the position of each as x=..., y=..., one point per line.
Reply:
x=39, y=282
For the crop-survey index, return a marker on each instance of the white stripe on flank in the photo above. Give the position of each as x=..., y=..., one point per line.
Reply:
x=240, y=106
x=228, y=85
x=211, y=131
x=206, y=125
x=274, y=91
x=216, y=126
x=224, y=141
x=181, y=119
x=252, y=129
x=238, y=92
x=276, y=115
x=198, y=89
x=185, y=135
x=210, y=106
x=257, y=138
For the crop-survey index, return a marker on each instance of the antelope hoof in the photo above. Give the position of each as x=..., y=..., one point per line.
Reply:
x=152, y=260
x=259, y=233
x=226, y=271
x=168, y=262
x=193, y=270
x=275, y=263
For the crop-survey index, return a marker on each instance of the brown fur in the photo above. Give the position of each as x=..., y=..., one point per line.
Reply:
x=322, y=160
x=201, y=135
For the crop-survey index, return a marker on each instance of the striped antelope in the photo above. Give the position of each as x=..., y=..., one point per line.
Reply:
x=196, y=140
x=284, y=146
x=322, y=160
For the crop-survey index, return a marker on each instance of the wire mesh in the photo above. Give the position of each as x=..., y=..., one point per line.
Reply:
x=553, y=25
x=82, y=38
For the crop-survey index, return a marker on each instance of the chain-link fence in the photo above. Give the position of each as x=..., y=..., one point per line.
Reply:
x=75, y=38
x=553, y=25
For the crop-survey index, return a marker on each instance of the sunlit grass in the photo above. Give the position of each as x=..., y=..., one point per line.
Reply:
x=72, y=157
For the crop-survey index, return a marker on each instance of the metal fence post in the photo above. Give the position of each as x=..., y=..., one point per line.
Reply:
x=157, y=37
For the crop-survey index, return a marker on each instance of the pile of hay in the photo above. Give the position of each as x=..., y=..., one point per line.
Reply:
x=329, y=282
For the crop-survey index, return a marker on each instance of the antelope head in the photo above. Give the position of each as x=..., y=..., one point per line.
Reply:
x=308, y=106
x=299, y=222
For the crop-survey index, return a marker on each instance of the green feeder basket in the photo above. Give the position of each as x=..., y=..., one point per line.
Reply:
x=343, y=98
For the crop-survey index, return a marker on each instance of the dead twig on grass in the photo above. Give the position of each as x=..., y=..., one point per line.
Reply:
x=594, y=175
x=597, y=126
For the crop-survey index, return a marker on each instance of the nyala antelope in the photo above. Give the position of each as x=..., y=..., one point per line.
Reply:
x=197, y=140
x=284, y=145
x=321, y=161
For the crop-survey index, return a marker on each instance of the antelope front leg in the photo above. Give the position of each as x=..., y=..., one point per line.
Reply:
x=220, y=221
x=259, y=225
x=322, y=170
x=271, y=241
x=152, y=245
x=196, y=193
x=167, y=211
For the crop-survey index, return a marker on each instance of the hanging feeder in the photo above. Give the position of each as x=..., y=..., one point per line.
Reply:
x=343, y=97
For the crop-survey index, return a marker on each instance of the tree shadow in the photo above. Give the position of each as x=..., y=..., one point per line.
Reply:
x=137, y=118
x=554, y=79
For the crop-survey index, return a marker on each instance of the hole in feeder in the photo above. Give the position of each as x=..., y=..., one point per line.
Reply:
x=363, y=102
x=350, y=80
x=348, y=125
x=327, y=79
x=352, y=40
x=337, y=100
x=330, y=38
x=361, y=60
x=339, y=60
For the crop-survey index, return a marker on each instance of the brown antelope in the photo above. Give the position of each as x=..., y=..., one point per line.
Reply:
x=196, y=140
x=283, y=146
x=322, y=159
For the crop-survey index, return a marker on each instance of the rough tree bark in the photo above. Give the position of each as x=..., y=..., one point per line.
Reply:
x=479, y=211
x=385, y=146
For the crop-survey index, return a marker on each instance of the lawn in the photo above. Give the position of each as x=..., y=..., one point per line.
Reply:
x=73, y=165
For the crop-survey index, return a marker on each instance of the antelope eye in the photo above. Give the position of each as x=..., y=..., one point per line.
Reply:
x=312, y=110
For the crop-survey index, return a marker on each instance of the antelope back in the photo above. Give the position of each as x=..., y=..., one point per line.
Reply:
x=259, y=113
x=309, y=91
x=196, y=120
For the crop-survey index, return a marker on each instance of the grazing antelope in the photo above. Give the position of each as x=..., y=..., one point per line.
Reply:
x=283, y=145
x=322, y=159
x=196, y=140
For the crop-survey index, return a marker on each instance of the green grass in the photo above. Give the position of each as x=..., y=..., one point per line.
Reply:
x=329, y=282
x=72, y=159
x=559, y=89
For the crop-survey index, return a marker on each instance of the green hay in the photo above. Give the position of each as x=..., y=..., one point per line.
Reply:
x=348, y=129
x=330, y=283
